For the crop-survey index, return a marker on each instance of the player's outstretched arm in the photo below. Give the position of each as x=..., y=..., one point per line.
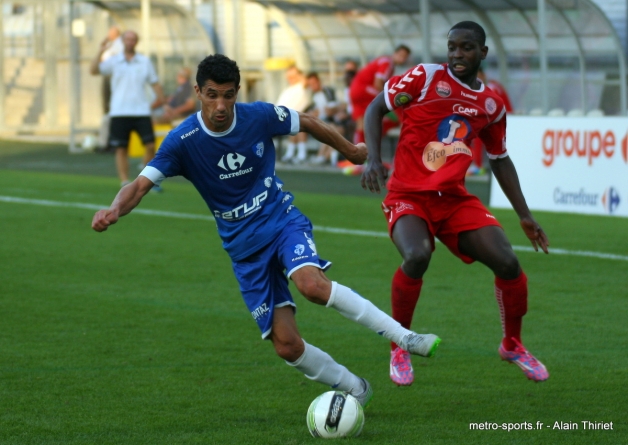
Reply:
x=506, y=175
x=327, y=134
x=126, y=200
x=375, y=174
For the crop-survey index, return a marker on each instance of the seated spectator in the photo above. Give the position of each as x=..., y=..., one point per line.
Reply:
x=181, y=103
x=296, y=97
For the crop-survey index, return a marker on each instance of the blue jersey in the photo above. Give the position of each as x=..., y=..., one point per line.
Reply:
x=234, y=171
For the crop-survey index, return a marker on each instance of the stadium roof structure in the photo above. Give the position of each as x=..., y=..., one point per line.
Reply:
x=556, y=47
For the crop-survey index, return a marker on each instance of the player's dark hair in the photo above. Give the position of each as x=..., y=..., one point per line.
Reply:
x=218, y=68
x=312, y=74
x=480, y=35
x=403, y=47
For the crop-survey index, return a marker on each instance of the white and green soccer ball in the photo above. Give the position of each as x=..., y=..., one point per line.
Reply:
x=335, y=414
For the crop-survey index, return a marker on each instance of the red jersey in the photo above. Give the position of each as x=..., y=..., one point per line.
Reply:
x=501, y=92
x=380, y=68
x=441, y=116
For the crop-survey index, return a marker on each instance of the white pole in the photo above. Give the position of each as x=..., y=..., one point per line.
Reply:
x=543, y=55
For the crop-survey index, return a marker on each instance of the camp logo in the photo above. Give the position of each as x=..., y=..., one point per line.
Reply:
x=402, y=99
x=443, y=89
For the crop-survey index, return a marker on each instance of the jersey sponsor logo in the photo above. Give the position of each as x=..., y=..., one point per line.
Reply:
x=488, y=215
x=235, y=174
x=402, y=99
x=281, y=114
x=468, y=96
x=234, y=161
x=491, y=105
x=435, y=153
x=443, y=89
x=189, y=133
x=461, y=109
x=258, y=149
x=243, y=210
x=260, y=311
x=409, y=77
x=453, y=128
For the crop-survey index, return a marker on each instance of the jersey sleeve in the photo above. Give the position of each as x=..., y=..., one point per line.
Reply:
x=402, y=90
x=165, y=164
x=494, y=137
x=281, y=120
x=106, y=67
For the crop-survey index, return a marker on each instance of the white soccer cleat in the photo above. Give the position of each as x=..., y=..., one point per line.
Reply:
x=366, y=395
x=420, y=344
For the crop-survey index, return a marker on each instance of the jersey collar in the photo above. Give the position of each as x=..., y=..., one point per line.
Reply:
x=464, y=85
x=222, y=133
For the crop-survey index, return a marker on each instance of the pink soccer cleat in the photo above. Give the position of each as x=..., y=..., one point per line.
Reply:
x=401, y=372
x=531, y=367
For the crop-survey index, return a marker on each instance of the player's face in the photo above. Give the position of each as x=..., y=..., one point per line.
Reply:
x=217, y=104
x=465, y=55
x=129, y=39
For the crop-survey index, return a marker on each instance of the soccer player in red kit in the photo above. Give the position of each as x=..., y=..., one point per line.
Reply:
x=445, y=107
x=368, y=83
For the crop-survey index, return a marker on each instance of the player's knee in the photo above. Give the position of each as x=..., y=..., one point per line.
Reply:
x=416, y=259
x=289, y=349
x=508, y=268
x=314, y=290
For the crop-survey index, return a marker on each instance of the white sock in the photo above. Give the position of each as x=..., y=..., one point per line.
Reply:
x=302, y=151
x=317, y=365
x=289, y=150
x=356, y=308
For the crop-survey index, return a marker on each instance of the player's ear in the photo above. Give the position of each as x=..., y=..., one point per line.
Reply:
x=484, y=51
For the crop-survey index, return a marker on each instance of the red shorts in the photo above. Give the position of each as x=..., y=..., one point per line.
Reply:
x=446, y=215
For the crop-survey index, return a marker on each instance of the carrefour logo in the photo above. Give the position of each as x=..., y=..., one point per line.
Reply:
x=610, y=200
x=233, y=162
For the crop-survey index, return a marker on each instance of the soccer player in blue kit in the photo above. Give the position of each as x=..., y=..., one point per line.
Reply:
x=226, y=151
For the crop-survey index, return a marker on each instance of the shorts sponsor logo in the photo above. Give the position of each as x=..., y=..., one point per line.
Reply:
x=299, y=249
x=468, y=96
x=281, y=114
x=260, y=311
x=258, y=149
x=310, y=242
x=443, y=89
x=243, y=210
x=402, y=99
x=403, y=206
x=189, y=133
x=491, y=105
x=461, y=109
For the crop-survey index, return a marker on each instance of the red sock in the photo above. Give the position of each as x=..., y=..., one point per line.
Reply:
x=512, y=298
x=405, y=295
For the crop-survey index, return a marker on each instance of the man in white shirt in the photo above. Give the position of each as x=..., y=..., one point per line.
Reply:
x=130, y=107
x=296, y=97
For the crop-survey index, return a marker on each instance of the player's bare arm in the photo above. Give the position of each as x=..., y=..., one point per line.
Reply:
x=375, y=174
x=506, y=175
x=160, y=99
x=327, y=134
x=94, y=68
x=126, y=200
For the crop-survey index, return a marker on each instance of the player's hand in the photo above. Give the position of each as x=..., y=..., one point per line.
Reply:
x=535, y=234
x=359, y=155
x=374, y=175
x=103, y=219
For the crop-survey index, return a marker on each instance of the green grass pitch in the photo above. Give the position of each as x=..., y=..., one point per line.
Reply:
x=139, y=335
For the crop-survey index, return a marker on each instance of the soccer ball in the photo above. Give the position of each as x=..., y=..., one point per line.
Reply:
x=335, y=414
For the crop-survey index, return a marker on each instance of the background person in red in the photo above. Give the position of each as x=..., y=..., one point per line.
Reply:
x=369, y=81
x=445, y=107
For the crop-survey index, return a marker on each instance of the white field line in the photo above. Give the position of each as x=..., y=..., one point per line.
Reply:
x=337, y=230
